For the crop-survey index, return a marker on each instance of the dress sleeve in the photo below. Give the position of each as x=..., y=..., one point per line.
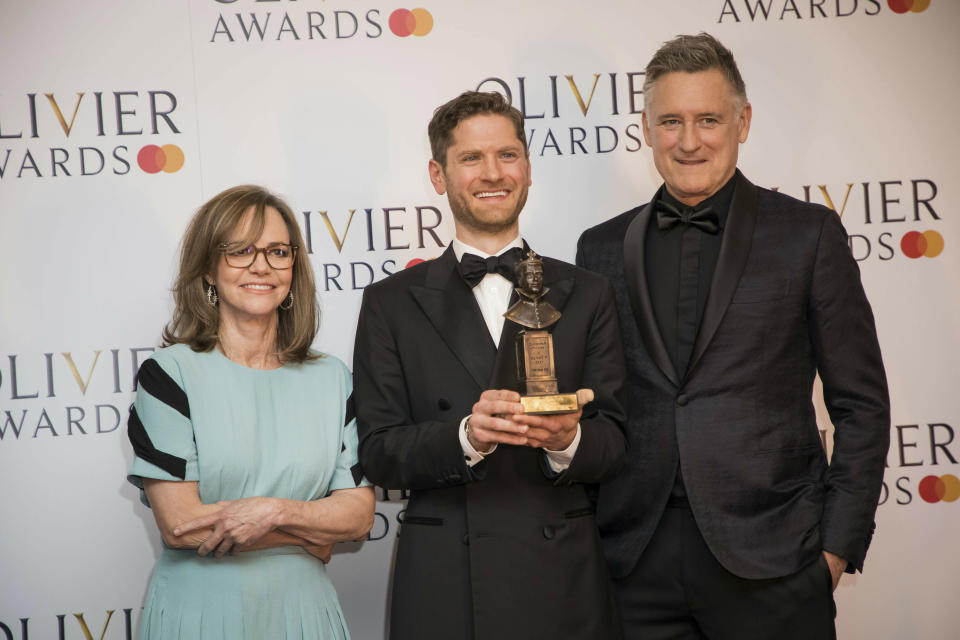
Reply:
x=348, y=474
x=159, y=427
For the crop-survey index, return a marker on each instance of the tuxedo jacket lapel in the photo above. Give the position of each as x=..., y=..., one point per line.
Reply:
x=504, y=373
x=452, y=309
x=734, y=251
x=639, y=292
x=560, y=290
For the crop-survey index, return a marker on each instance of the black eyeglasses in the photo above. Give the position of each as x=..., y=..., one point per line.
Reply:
x=278, y=255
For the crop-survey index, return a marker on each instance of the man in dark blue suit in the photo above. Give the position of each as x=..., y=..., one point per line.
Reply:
x=728, y=521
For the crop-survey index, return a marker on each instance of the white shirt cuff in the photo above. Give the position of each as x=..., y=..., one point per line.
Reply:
x=472, y=456
x=559, y=461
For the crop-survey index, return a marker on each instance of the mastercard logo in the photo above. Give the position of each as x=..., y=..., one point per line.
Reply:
x=945, y=488
x=153, y=159
x=411, y=22
x=415, y=262
x=902, y=6
x=915, y=244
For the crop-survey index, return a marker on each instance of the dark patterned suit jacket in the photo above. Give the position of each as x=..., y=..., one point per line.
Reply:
x=505, y=549
x=785, y=303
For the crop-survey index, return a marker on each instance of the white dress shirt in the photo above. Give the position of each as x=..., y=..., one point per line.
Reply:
x=493, y=297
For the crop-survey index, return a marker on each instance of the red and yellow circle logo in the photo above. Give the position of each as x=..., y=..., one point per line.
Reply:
x=411, y=22
x=928, y=244
x=945, y=488
x=902, y=6
x=153, y=159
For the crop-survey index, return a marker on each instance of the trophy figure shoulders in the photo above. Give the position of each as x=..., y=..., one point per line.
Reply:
x=532, y=311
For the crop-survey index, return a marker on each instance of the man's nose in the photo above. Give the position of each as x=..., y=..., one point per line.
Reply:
x=491, y=169
x=689, y=138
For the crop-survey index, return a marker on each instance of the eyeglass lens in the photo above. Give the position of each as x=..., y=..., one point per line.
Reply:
x=278, y=256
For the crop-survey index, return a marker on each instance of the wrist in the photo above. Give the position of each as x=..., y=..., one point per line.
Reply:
x=279, y=512
x=562, y=446
x=479, y=447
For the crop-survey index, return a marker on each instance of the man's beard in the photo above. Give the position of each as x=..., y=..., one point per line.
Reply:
x=464, y=215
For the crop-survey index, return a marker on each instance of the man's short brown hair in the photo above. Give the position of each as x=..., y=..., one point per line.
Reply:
x=468, y=104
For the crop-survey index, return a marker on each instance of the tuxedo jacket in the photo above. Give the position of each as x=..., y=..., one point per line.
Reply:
x=785, y=303
x=505, y=549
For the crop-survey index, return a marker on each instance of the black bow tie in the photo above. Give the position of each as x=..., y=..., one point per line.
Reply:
x=668, y=216
x=473, y=268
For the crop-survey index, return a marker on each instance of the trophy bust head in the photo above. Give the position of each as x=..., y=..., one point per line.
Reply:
x=529, y=273
x=531, y=310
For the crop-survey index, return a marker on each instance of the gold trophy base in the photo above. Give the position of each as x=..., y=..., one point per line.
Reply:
x=549, y=404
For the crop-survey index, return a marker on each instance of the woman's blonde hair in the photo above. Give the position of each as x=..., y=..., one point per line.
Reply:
x=195, y=321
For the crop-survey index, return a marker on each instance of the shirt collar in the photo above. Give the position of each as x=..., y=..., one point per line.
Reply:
x=460, y=248
x=719, y=201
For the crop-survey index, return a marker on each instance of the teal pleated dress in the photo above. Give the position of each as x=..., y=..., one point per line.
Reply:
x=241, y=432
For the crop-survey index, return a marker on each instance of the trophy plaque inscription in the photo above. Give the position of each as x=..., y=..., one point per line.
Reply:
x=536, y=370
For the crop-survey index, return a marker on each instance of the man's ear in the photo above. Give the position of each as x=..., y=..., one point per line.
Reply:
x=744, y=122
x=437, y=177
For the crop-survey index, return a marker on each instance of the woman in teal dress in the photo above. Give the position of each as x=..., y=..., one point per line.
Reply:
x=245, y=439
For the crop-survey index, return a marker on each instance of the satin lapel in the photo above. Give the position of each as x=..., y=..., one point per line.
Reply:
x=504, y=373
x=639, y=292
x=734, y=251
x=453, y=311
x=560, y=285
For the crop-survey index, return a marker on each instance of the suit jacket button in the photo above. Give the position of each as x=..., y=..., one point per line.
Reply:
x=466, y=539
x=443, y=404
x=549, y=532
x=682, y=400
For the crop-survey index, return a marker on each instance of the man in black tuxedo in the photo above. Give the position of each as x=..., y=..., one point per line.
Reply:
x=728, y=521
x=498, y=540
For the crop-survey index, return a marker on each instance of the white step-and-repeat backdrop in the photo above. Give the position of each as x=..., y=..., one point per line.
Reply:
x=119, y=118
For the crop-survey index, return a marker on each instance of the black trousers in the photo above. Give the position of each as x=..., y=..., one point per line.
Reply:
x=678, y=591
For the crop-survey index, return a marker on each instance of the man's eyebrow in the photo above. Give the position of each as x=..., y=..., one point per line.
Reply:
x=513, y=146
x=705, y=114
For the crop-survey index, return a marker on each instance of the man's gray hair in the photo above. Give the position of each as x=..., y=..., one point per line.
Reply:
x=691, y=54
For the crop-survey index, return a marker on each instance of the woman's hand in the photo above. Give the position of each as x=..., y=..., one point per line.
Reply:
x=236, y=524
x=239, y=525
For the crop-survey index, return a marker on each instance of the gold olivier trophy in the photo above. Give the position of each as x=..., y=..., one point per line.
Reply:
x=536, y=370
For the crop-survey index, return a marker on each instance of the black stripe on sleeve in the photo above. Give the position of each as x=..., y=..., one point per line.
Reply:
x=161, y=386
x=143, y=448
x=351, y=412
x=357, y=472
